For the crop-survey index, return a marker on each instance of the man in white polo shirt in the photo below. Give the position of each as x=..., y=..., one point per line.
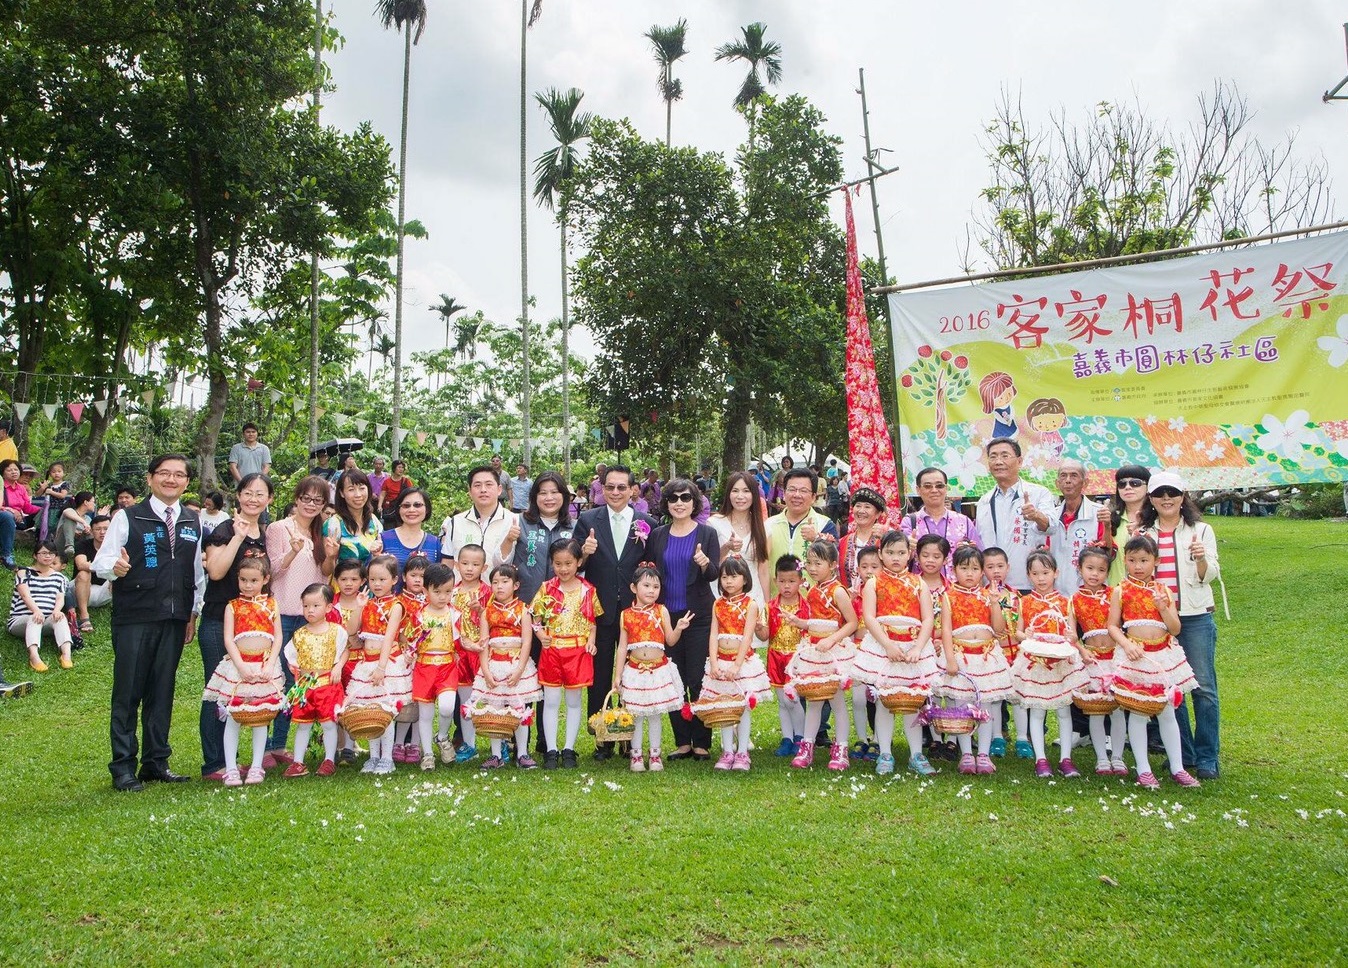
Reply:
x=1014, y=515
x=1074, y=524
x=486, y=523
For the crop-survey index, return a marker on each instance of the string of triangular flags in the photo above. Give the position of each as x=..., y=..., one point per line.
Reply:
x=77, y=407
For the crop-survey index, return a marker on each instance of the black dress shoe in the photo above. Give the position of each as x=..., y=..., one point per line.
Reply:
x=550, y=760
x=1209, y=774
x=701, y=755
x=569, y=760
x=160, y=775
x=680, y=755
x=126, y=783
x=603, y=752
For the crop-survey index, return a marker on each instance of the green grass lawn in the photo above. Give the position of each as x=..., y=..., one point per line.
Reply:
x=690, y=866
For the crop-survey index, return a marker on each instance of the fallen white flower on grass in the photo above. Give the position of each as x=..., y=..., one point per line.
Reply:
x=615, y=787
x=992, y=816
x=322, y=822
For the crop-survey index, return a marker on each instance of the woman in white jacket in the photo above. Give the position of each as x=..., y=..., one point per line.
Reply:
x=1189, y=565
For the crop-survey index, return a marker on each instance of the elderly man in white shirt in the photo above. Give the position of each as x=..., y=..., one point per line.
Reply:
x=1074, y=524
x=1014, y=515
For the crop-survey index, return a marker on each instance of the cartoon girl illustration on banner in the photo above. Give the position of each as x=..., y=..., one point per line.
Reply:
x=1047, y=416
x=998, y=390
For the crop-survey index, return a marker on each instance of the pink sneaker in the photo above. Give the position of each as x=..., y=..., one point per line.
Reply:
x=1149, y=781
x=1185, y=779
x=837, y=759
x=657, y=764
x=1042, y=769
x=726, y=761
x=1104, y=769
x=232, y=778
x=805, y=757
x=255, y=776
x=983, y=765
x=741, y=762
x=1068, y=769
x=1119, y=767
x=399, y=753
x=967, y=764
x=638, y=764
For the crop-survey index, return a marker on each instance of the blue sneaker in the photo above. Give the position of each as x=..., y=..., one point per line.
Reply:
x=465, y=753
x=884, y=765
x=1024, y=750
x=919, y=765
x=998, y=747
x=506, y=751
x=857, y=750
x=785, y=748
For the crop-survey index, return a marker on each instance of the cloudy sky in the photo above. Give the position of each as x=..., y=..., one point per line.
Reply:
x=933, y=77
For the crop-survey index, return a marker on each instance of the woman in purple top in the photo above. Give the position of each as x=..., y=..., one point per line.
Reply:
x=688, y=556
x=935, y=518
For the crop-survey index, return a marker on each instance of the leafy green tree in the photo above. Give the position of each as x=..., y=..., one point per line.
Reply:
x=668, y=45
x=553, y=172
x=408, y=16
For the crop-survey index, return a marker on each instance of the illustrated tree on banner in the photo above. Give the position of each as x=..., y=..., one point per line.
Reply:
x=937, y=380
x=872, y=453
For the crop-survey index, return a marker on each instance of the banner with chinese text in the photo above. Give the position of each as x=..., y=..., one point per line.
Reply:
x=1228, y=368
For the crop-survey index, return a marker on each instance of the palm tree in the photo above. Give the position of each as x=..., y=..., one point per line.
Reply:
x=552, y=172
x=407, y=16
x=529, y=15
x=753, y=50
x=668, y=44
x=446, y=308
x=466, y=333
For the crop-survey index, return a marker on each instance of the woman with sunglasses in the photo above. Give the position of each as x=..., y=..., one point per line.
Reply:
x=410, y=536
x=300, y=556
x=688, y=557
x=1130, y=497
x=1188, y=566
x=935, y=517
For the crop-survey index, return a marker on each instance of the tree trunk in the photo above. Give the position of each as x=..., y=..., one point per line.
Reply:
x=525, y=400
x=398, y=290
x=734, y=423
x=218, y=395
x=566, y=364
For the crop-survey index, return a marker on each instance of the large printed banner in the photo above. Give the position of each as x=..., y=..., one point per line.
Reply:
x=1228, y=368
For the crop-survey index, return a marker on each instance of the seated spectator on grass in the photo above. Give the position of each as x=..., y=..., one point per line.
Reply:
x=73, y=523
x=18, y=505
x=38, y=604
x=90, y=590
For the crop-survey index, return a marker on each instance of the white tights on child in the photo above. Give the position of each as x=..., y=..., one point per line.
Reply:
x=1170, y=738
x=1117, y=737
x=884, y=731
x=466, y=724
x=302, y=731
x=552, y=708
x=731, y=743
x=791, y=715
x=426, y=717
x=1020, y=717
x=994, y=711
x=814, y=713
x=521, y=742
x=232, y=732
x=1037, y=717
x=859, y=722
x=657, y=727
x=381, y=747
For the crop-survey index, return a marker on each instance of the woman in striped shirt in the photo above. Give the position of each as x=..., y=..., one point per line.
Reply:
x=37, y=604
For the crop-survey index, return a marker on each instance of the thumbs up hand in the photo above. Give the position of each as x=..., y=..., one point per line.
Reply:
x=590, y=546
x=122, y=565
x=699, y=557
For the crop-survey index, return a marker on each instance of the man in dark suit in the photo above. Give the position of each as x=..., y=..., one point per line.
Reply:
x=613, y=540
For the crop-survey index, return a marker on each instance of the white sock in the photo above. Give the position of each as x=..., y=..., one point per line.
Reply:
x=636, y=737
x=1098, y=739
x=402, y=732
x=1066, y=736
x=1037, y=732
x=840, y=717
x=573, y=717
x=425, y=724
x=552, y=702
x=329, y=741
x=884, y=729
x=521, y=741
x=657, y=727
x=232, y=730
x=1137, y=739
x=1021, y=717
x=791, y=714
x=814, y=712
x=746, y=728
x=727, y=739
x=445, y=702
x=1170, y=737
x=259, y=745
x=859, y=713
x=1118, y=734
x=469, y=730
x=965, y=742
x=913, y=732
x=994, y=711
x=302, y=732
x=386, y=744
x=496, y=747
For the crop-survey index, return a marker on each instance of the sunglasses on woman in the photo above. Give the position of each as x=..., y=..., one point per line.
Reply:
x=680, y=498
x=1166, y=492
x=1131, y=482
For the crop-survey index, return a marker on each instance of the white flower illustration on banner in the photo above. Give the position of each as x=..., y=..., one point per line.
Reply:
x=1178, y=424
x=1173, y=452
x=1285, y=438
x=911, y=448
x=963, y=467
x=1336, y=346
x=1342, y=448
